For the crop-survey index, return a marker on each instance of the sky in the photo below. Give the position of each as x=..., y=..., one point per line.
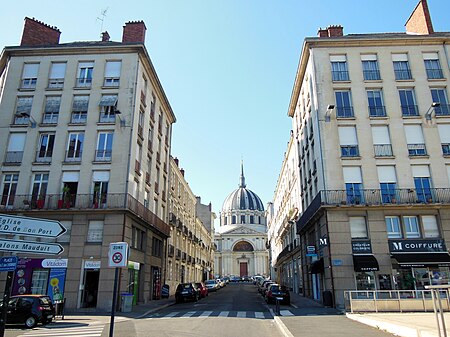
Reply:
x=226, y=66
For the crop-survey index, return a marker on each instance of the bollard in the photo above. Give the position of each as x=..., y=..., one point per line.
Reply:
x=277, y=305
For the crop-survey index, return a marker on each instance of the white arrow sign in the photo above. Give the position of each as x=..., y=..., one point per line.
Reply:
x=30, y=247
x=30, y=226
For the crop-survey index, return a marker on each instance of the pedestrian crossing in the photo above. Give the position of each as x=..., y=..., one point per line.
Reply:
x=68, y=331
x=203, y=314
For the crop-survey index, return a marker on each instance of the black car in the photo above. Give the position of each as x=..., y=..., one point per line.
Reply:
x=275, y=291
x=29, y=310
x=187, y=291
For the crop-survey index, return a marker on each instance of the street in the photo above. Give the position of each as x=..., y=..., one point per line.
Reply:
x=238, y=309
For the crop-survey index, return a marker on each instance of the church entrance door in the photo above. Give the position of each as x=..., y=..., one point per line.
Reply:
x=243, y=268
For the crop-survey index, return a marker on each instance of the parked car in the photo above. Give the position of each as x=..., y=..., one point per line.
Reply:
x=276, y=291
x=202, y=288
x=29, y=310
x=235, y=279
x=265, y=287
x=211, y=285
x=220, y=283
x=262, y=284
x=186, y=291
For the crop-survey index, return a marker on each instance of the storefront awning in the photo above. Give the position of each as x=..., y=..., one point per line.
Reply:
x=422, y=259
x=366, y=262
x=317, y=267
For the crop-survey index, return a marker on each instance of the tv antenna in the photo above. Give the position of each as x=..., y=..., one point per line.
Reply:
x=102, y=18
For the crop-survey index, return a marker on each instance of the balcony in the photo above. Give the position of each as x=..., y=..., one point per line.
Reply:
x=377, y=111
x=50, y=118
x=340, y=75
x=112, y=82
x=403, y=74
x=344, y=112
x=183, y=257
x=371, y=75
x=172, y=219
x=44, y=156
x=86, y=202
x=103, y=155
x=84, y=82
x=73, y=156
x=409, y=111
x=55, y=83
x=383, y=150
x=79, y=117
x=417, y=150
x=434, y=74
x=374, y=198
x=13, y=157
x=442, y=110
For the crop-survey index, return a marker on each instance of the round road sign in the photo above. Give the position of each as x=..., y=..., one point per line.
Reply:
x=117, y=257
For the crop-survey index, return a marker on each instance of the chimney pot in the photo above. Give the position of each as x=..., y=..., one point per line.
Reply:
x=420, y=20
x=176, y=161
x=37, y=33
x=134, y=31
x=105, y=36
x=335, y=30
x=182, y=172
x=322, y=32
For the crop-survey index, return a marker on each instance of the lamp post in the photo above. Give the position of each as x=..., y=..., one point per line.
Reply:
x=431, y=109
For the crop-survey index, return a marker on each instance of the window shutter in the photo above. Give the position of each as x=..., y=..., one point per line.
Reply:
x=369, y=57
x=399, y=57
x=58, y=70
x=380, y=135
x=430, y=226
x=80, y=103
x=52, y=104
x=431, y=56
x=108, y=100
x=71, y=177
x=30, y=70
x=444, y=133
x=112, y=68
x=100, y=176
x=86, y=65
x=347, y=135
x=17, y=142
x=358, y=227
x=420, y=171
x=414, y=134
x=24, y=104
x=338, y=58
x=386, y=174
x=352, y=174
x=95, y=231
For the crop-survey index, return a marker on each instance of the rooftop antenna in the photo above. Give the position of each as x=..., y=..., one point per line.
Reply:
x=102, y=18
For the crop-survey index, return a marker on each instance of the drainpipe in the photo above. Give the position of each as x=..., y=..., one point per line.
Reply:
x=330, y=261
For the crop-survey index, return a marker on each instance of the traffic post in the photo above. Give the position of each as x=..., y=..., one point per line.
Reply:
x=117, y=258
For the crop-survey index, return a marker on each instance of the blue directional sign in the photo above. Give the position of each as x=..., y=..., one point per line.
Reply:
x=8, y=263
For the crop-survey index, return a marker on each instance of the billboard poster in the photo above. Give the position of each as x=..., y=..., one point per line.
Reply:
x=56, y=284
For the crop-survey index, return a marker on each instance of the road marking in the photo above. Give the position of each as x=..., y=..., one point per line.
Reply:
x=259, y=314
x=205, y=314
x=286, y=313
x=59, y=332
x=172, y=314
x=189, y=314
x=293, y=305
x=224, y=314
x=241, y=314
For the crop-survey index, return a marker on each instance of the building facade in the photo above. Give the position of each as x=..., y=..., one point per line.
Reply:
x=370, y=118
x=190, y=250
x=242, y=236
x=86, y=133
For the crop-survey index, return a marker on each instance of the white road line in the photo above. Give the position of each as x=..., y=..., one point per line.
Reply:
x=172, y=314
x=224, y=314
x=259, y=314
x=241, y=314
x=293, y=305
x=205, y=314
x=67, y=333
x=189, y=314
x=286, y=313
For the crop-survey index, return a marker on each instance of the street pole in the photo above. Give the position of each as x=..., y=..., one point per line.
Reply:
x=6, y=294
x=114, y=301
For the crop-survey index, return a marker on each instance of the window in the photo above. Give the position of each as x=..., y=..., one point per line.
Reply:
x=57, y=74
x=112, y=73
x=108, y=106
x=444, y=133
x=51, y=113
x=66, y=236
x=252, y=219
x=95, y=231
x=388, y=183
x=157, y=247
x=393, y=227
x=381, y=141
x=339, y=71
x=415, y=140
x=371, y=71
x=440, y=96
x=39, y=189
x=411, y=224
x=408, y=103
x=348, y=141
x=104, y=146
x=375, y=101
x=242, y=218
x=9, y=188
x=233, y=219
x=29, y=75
x=15, y=149
x=153, y=107
x=75, y=146
x=85, y=70
x=353, y=184
x=137, y=238
x=141, y=123
x=430, y=226
x=344, y=108
x=23, y=110
x=100, y=193
x=422, y=182
x=401, y=67
x=358, y=228
x=79, y=109
x=432, y=66
x=39, y=281
x=46, y=143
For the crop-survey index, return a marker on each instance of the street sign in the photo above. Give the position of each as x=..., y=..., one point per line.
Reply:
x=21, y=225
x=8, y=263
x=30, y=247
x=118, y=254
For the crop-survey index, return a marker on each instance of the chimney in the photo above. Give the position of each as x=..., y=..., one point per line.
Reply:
x=134, y=31
x=420, y=20
x=334, y=31
x=182, y=172
x=37, y=33
x=176, y=160
x=105, y=37
x=322, y=32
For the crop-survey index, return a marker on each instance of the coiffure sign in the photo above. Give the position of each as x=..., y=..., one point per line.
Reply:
x=415, y=246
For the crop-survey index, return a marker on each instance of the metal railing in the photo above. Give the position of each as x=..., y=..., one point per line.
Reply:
x=393, y=300
x=383, y=150
x=377, y=111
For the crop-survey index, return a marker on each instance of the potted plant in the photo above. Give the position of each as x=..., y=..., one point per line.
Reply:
x=66, y=196
x=96, y=196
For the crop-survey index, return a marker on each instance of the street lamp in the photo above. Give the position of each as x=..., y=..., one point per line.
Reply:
x=330, y=109
x=431, y=109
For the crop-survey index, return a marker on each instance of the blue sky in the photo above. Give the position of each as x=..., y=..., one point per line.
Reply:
x=227, y=67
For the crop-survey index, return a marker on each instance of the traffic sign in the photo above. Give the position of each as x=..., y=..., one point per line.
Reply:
x=30, y=247
x=8, y=263
x=21, y=225
x=118, y=254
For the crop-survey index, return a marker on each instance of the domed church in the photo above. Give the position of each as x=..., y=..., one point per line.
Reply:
x=242, y=236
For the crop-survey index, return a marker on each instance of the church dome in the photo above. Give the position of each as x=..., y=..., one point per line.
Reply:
x=242, y=198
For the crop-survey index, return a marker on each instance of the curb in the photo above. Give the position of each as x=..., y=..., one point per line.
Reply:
x=282, y=327
x=153, y=310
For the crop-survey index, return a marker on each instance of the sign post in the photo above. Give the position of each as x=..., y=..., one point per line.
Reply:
x=117, y=258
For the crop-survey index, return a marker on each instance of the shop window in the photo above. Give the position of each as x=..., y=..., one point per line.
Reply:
x=39, y=281
x=365, y=280
x=358, y=227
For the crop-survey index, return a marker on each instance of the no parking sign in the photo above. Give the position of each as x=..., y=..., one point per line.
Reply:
x=118, y=254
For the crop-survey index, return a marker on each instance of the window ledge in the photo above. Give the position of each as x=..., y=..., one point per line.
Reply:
x=407, y=80
x=384, y=157
x=26, y=89
x=425, y=156
x=373, y=81
x=436, y=79
x=106, y=87
x=378, y=117
x=351, y=158
x=81, y=88
x=338, y=82
x=96, y=243
x=54, y=89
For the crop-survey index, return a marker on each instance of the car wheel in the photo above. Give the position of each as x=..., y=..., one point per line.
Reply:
x=31, y=322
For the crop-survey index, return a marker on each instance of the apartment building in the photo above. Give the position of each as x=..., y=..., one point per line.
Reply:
x=371, y=121
x=86, y=134
x=190, y=246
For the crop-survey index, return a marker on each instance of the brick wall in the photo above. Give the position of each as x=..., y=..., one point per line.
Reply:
x=420, y=20
x=36, y=33
x=134, y=31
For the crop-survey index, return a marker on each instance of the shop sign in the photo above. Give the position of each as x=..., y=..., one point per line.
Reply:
x=311, y=251
x=20, y=225
x=92, y=264
x=133, y=265
x=361, y=247
x=417, y=246
x=54, y=263
x=323, y=242
x=8, y=263
x=337, y=262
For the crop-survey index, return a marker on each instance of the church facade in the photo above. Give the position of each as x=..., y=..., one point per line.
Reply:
x=242, y=235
